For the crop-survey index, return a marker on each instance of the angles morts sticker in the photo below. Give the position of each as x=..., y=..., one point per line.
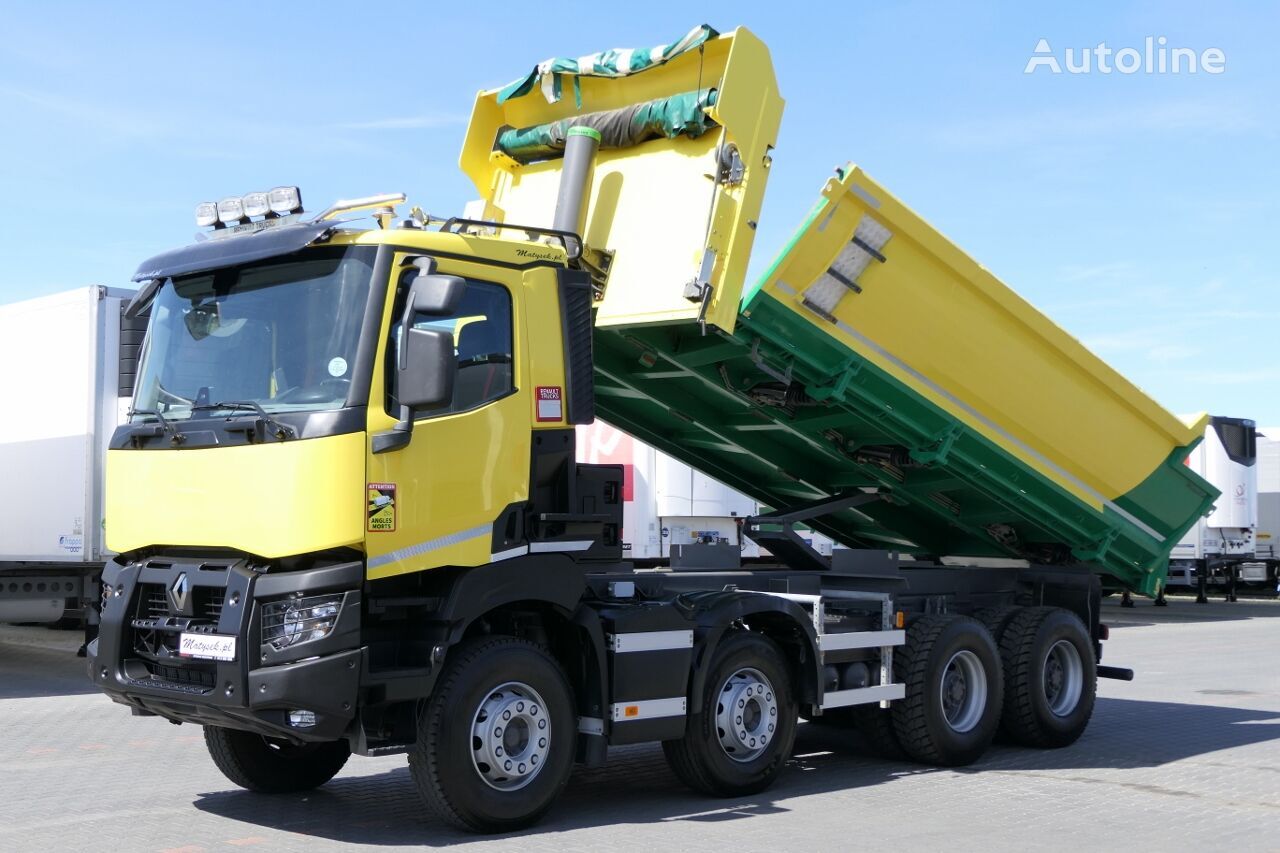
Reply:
x=382, y=507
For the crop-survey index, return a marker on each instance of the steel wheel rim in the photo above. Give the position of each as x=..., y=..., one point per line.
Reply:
x=1063, y=678
x=746, y=714
x=962, y=691
x=510, y=736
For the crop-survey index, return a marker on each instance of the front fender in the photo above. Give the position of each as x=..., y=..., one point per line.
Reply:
x=780, y=619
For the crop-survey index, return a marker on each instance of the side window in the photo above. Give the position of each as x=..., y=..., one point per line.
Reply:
x=481, y=329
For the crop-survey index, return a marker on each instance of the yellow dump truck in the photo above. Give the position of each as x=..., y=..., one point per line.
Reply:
x=349, y=516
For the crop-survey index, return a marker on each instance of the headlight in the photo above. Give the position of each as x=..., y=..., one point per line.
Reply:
x=299, y=620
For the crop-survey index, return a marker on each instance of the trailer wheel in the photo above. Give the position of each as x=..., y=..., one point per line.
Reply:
x=738, y=740
x=1050, y=677
x=272, y=766
x=496, y=738
x=954, y=686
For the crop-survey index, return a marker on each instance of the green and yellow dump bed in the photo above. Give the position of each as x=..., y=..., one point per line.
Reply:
x=873, y=355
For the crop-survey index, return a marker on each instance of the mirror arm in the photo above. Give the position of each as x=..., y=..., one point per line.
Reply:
x=425, y=266
x=396, y=437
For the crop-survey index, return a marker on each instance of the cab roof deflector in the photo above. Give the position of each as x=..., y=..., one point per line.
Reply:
x=199, y=257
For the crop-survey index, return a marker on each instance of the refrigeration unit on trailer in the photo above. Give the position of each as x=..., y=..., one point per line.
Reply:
x=1223, y=547
x=67, y=373
x=350, y=516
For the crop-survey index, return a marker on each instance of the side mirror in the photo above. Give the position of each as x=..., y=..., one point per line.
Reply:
x=426, y=370
x=432, y=293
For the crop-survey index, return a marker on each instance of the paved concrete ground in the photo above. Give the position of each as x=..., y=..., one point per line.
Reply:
x=1186, y=757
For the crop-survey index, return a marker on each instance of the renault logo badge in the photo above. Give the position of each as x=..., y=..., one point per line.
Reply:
x=179, y=593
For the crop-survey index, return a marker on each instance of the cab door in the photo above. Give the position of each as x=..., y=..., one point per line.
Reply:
x=436, y=501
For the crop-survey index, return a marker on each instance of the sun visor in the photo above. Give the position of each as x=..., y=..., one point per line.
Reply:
x=230, y=251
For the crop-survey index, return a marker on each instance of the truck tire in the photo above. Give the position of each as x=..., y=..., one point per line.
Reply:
x=497, y=737
x=875, y=724
x=996, y=619
x=741, y=735
x=271, y=766
x=954, y=687
x=1051, y=677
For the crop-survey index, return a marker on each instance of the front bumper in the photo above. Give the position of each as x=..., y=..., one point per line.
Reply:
x=135, y=659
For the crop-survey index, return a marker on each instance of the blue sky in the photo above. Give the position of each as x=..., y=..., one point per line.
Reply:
x=1138, y=211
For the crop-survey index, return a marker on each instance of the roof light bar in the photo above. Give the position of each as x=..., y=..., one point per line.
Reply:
x=281, y=201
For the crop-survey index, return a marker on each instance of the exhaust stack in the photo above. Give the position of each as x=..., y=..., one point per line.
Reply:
x=580, y=147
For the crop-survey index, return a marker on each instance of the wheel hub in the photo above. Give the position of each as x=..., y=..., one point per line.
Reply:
x=746, y=714
x=1063, y=678
x=963, y=691
x=510, y=736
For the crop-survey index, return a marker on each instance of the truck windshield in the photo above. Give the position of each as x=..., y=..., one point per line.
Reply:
x=281, y=333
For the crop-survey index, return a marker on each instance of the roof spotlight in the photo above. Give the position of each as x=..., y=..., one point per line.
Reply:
x=231, y=211
x=206, y=213
x=285, y=200
x=255, y=204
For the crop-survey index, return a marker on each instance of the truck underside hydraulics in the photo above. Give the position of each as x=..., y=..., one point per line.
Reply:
x=350, y=519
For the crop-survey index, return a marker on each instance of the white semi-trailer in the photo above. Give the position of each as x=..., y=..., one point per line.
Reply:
x=1267, y=538
x=69, y=364
x=1224, y=547
x=669, y=506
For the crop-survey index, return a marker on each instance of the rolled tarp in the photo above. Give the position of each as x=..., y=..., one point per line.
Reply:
x=678, y=115
x=548, y=76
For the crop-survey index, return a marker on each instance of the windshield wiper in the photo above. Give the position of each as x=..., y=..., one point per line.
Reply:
x=263, y=423
x=165, y=427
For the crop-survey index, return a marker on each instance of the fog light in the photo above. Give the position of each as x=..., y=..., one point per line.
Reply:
x=302, y=719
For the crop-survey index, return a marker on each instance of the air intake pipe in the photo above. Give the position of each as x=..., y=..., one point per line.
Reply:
x=580, y=146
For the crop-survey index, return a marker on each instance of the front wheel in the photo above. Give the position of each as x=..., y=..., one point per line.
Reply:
x=737, y=742
x=496, y=739
x=272, y=766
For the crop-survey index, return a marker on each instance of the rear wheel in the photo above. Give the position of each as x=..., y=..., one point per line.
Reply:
x=996, y=619
x=1050, y=677
x=738, y=740
x=272, y=766
x=875, y=724
x=954, y=689
x=496, y=739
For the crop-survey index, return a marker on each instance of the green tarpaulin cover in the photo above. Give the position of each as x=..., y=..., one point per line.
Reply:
x=607, y=63
x=678, y=115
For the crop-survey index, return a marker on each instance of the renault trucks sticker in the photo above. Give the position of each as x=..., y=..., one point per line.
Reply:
x=550, y=405
x=382, y=507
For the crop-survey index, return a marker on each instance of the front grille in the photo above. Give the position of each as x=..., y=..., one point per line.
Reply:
x=157, y=627
x=153, y=602
x=191, y=674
